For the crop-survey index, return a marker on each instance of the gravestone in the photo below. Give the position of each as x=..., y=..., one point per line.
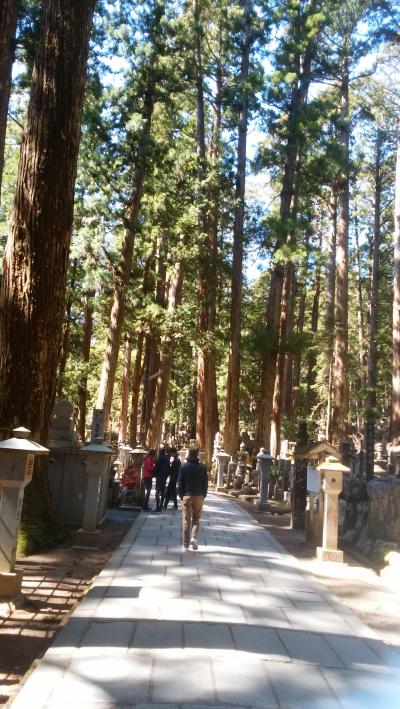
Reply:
x=67, y=474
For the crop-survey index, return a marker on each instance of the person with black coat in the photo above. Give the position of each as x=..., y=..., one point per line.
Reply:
x=161, y=472
x=192, y=487
x=174, y=468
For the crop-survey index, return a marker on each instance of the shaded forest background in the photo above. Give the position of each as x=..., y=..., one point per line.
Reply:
x=199, y=220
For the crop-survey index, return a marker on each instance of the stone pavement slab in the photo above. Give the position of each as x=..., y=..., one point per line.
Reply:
x=237, y=624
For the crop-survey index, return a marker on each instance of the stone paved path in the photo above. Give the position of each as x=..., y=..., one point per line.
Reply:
x=235, y=624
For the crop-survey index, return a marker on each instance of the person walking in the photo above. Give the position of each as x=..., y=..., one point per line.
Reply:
x=174, y=468
x=193, y=486
x=161, y=472
x=148, y=472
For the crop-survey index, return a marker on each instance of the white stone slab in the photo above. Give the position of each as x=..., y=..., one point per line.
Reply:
x=297, y=688
x=309, y=648
x=182, y=680
x=243, y=684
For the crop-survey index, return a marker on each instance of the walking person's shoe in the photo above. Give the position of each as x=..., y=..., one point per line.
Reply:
x=193, y=544
x=186, y=547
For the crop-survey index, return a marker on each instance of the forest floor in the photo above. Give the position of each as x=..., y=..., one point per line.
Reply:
x=57, y=579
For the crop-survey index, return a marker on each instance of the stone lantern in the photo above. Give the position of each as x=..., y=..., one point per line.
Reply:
x=222, y=459
x=137, y=455
x=332, y=472
x=124, y=454
x=97, y=458
x=119, y=468
x=17, y=457
x=264, y=463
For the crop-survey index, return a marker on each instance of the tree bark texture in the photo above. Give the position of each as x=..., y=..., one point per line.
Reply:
x=151, y=365
x=125, y=391
x=372, y=360
x=340, y=380
x=330, y=292
x=32, y=298
x=360, y=313
x=136, y=378
x=65, y=335
x=270, y=357
x=166, y=359
x=231, y=431
x=36, y=257
x=8, y=21
x=85, y=352
x=396, y=307
x=312, y=357
x=286, y=310
x=297, y=358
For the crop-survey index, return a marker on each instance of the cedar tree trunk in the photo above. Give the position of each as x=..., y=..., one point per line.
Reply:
x=8, y=21
x=396, y=307
x=106, y=386
x=85, y=352
x=166, y=359
x=231, y=432
x=341, y=383
x=32, y=298
x=125, y=389
x=372, y=362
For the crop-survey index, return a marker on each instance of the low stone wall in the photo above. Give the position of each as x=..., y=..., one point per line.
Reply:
x=384, y=509
x=369, y=516
x=353, y=509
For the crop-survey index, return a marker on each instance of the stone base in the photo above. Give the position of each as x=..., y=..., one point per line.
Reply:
x=85, y=539
x=10, y=588
x=220, y=488
x=262, y=506
x=329, y=555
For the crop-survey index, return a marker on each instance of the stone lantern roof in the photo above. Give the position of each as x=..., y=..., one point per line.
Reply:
x=317, y=451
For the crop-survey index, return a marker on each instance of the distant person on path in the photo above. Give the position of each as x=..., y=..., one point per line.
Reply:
x=161, y=472
x=149, y=462
x=193, y=486
x=174, y=468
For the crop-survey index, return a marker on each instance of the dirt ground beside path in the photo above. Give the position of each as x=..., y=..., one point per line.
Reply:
x=53, y=583
x=356, y=582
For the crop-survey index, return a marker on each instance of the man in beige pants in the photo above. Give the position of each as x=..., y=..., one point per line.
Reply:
x=193, y=486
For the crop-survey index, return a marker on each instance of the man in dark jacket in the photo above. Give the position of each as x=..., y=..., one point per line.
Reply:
x=193, y=486
x=174, y=468
x=161, y=472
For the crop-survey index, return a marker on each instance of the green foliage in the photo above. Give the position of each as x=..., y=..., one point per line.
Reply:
x=129, y=50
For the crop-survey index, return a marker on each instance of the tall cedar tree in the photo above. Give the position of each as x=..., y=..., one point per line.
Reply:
x=36, y=257
x=396, y=307
x=206, y=402
x=130, y=218
x=231, y=431
x=8, y=21
x=300, y=40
